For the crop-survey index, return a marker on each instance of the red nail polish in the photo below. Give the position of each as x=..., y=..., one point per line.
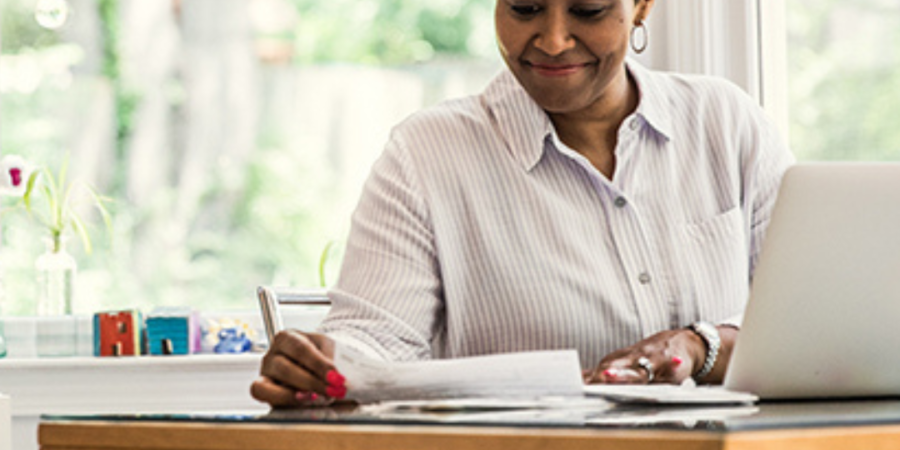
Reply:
x=313, y=397
x=609, y=373
x=302, y=396
x=677, y=361
x=334, y=378
x=336, y=392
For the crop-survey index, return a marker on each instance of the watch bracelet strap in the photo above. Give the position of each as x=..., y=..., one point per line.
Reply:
x=712, y=354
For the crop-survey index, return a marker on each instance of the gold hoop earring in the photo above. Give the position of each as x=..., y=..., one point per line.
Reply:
x=644, y=38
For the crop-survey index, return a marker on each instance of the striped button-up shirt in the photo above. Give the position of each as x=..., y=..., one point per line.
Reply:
x=480, y=232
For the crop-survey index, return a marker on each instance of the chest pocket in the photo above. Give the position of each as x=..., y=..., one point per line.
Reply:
x=715, y=255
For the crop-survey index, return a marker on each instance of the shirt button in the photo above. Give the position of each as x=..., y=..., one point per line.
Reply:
x=620, y=202
x=634, y=124
x=644, y=278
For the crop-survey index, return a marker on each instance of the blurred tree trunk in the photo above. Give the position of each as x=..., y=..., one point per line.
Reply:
x=221, y=110
x=88, y=110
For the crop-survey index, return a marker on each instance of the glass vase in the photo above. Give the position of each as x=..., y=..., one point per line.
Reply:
x=55, y=279
x=55, y=326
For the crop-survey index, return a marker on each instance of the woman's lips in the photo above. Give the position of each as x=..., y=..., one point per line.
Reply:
x=556, y=70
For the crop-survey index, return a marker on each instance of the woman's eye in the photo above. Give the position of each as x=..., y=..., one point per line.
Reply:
x=586, y=12
x=525, y=10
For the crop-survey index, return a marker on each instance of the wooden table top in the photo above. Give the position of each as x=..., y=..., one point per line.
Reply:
x=825, y=426
x=86, y=435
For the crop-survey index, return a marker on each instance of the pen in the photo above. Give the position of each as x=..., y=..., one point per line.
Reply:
x=270, y=299
x=268, y=305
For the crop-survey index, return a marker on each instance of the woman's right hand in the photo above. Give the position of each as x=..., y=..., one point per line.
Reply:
x=298, y=370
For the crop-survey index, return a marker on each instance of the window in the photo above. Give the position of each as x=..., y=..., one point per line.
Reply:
x=825, y=70
x=233, y=135
x=843, y=81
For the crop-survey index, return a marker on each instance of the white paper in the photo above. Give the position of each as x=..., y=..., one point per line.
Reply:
x=574, y=415
x=686, y=417
x=595, y=404
x=511, y=375
x=668, y=394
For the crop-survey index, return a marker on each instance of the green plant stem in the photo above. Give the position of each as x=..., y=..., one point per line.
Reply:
x=323, y=260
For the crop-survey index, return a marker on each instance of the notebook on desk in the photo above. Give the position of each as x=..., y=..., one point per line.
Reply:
x=823, y=319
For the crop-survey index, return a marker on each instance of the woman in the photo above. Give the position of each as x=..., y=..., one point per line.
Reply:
x=582, y=201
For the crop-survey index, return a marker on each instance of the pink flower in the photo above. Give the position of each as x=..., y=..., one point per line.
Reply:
x=14, y=177
x=16, y=174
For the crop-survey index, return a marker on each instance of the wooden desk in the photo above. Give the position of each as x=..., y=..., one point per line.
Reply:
x=822, y=428
x=206, y=436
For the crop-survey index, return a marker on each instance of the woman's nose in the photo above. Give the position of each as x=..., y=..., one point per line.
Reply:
x=554, y=37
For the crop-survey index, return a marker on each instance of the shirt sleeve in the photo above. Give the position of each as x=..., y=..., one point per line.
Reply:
x=766, y=158
x=388, y=298
x=763, y=180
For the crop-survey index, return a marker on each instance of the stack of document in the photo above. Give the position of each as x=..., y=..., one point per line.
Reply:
x=669, y=394
x=529, y=380
x=511, y=375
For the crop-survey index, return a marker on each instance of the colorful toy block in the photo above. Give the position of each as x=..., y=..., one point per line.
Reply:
x=118, y=333
x=173, y=331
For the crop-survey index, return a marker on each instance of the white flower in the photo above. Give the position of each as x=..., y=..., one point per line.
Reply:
x=14, y=173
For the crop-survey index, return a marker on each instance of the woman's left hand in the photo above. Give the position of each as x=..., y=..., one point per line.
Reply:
x=670, y=356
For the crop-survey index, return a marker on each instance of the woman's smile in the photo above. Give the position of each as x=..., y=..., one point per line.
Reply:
x=566, y=59
x=556, y=70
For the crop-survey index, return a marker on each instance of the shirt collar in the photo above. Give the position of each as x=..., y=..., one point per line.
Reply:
x=518, y=118
x=653, y=98
x=526, y=128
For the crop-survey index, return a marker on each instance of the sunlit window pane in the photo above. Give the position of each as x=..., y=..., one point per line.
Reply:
x=234, y=135
x=844, y=82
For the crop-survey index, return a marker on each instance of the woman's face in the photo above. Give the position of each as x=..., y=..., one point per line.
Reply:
x=567, y=53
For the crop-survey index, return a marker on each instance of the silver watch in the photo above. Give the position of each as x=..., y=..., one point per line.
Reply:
x=710, y=334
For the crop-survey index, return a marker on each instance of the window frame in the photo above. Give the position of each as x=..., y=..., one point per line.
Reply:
x=741, y=40
x=773, y=60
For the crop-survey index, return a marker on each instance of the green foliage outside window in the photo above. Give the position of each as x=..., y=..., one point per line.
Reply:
x=262, y=221
x=843, y=80
x=388, y=31
x=266, y=218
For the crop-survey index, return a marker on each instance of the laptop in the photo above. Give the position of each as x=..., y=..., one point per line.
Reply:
x=823, y=319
